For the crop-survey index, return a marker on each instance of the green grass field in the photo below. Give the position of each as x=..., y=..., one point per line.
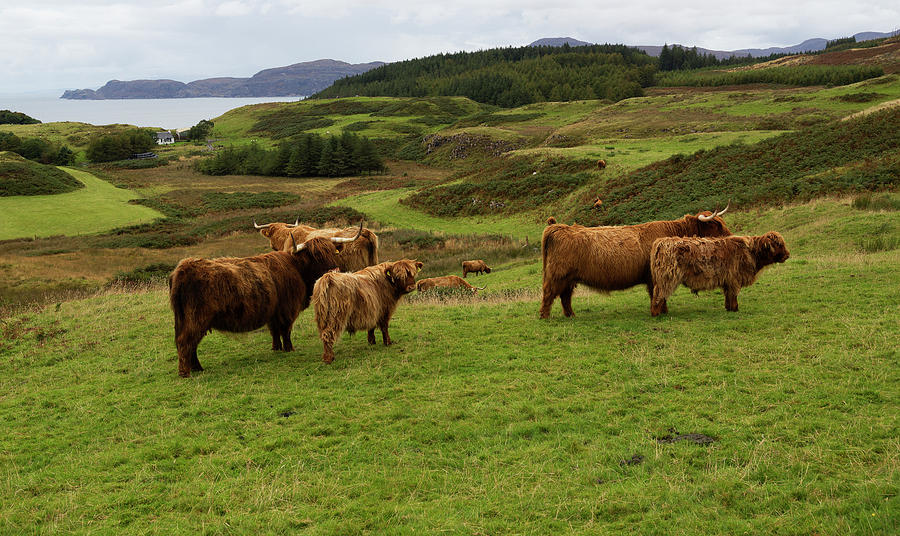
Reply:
x=481, y=418
x=99, y=206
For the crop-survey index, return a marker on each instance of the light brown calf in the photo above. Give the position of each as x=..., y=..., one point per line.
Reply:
x=361, y=301
x=707, y=263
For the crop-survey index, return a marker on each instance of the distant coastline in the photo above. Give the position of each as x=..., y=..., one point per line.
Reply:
x=290, y=81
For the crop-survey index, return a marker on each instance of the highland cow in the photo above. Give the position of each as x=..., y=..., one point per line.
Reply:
x=355, y=256
x=601, y=164
x=609, y=258
x=708, y=263
x=447, y=281
x=361, y=301
x=244, y=294
x=475, y=267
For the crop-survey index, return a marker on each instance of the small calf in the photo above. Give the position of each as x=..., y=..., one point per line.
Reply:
x=728, y=263
x=361, y=300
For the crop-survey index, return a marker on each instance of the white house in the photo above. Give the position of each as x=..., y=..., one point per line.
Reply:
x=164, y=138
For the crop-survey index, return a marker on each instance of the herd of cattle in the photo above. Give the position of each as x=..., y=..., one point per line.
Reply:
x=338, y=270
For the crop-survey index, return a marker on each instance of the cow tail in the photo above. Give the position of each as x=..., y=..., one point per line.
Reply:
x=177, y=300
x=321, y=297
x=546, y=240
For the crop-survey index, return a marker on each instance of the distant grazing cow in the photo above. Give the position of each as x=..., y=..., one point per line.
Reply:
x=601, y=164
x=449, y=281
x=244, y=294
x=361, y=301
x=609, y=258
x=598, y=203
x=707, y=263
x=354, y=256
x=475, y=267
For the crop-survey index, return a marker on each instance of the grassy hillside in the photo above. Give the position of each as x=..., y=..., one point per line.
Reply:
x=19, y=176
x=481, y=418
x=96, y=207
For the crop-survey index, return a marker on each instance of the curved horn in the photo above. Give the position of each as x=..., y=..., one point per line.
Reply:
x=701, y=217
x=724, y=209
x=297, y=248
x=480, y=288
x=342, y=239
x=260, y=226
x=296, y=222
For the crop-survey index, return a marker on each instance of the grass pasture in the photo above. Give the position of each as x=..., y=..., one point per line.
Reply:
x=99, y=206
x=481, y=418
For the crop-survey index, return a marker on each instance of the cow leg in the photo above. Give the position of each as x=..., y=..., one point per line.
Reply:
x=328, y=336
x=195, y=363
x=371, y=336
x=275, y=330
x=547, y=301
x=658, y=303
x=286, y=338
x=565, y=297
x=186, y=343
x=731, y=294
x=385, y=337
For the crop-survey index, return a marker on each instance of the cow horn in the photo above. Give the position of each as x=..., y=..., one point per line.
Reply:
x=296, y=222
x=480, y=288
x=297, y=248
x=724, y=209
x=342, y=239
x=715, y=213
x=260, y=226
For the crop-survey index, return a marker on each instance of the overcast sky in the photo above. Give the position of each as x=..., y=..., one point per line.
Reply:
x=74, y=44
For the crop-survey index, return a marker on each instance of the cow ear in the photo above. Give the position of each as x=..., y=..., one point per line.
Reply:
x=390, y=276
x=419, y=265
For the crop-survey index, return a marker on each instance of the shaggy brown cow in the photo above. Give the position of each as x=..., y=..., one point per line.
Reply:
x=279, y=234
x=707, y=263
x=475, y=267
x=601, y=164
x=243, y=294
x=609, y=258
x=361, y=301
x=355, y=256
x=598, y=203
x=449, y=281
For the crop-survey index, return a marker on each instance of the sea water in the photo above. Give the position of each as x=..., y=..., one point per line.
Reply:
x=169, y=114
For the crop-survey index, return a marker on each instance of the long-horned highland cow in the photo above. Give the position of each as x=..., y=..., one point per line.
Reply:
x=355, y=256
x=361, y=301
x=610, y=258
x=475, y=267
x=707, y=263
x=244, y=294
x=448, y=281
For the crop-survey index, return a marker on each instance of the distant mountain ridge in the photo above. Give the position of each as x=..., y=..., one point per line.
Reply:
x=299, y=79
x=809, y=45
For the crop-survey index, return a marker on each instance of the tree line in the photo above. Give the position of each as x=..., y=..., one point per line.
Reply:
x=307, y=155
x=510, y=77
x=9, y=117
x=37, y=149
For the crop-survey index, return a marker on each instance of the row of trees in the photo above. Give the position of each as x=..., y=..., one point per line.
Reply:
x=121, y=146
x=510, y=77
x=307, y=155
x=678, y=58
x=37, y=149
x=8, y=117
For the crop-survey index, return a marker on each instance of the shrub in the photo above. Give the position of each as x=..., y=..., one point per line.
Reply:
x=145, y=274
